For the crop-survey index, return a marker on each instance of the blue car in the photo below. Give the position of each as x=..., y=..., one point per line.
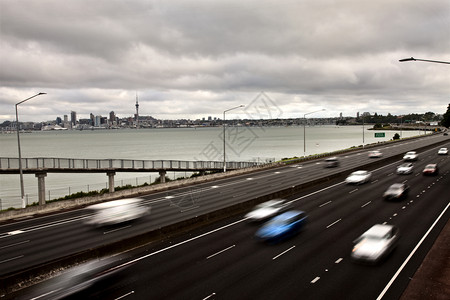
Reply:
x=282, y=226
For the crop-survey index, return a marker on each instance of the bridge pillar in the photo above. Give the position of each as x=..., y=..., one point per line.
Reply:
x=111, y=181
x=162, y=176
x=41, y=187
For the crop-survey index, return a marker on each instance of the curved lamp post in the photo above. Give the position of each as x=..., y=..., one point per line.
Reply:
x=418, y=59
x=22, y=193
x=304, y=130
x=224, y=156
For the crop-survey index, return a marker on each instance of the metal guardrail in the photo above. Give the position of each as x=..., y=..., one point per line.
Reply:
x=9, y=165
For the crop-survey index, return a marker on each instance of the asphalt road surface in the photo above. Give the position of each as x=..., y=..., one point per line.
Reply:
x=224, y=261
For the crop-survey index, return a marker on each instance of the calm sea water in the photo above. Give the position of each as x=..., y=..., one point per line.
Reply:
x=242, y=144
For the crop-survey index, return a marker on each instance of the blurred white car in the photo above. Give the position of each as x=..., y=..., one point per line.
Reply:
x=375, y=244
x=117, y=211
x=405, y=168
x=267, y=210
x=375, y=154
x=443, y=151
x=410, y=155
x=358, y=177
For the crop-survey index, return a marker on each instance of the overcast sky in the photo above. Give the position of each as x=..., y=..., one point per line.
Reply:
x=196, y=58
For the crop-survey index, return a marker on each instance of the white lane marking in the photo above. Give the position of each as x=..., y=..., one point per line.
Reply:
x=117, y=229
x=249, y=178
x=221, y=251
x=352, y=191
x=215, y=187
x=169, y=197
x=411, y=254
x=366, y=204
x=15, y=232
x=316, y=192
x=15, y=244
x=38, y=227
x=212, y=295
x=126, y=295
x=46, y=294
x=375, y=181
x=326, y=203
x=339, y=260
x=315, y=279
x=10, y=259
x=275, y=257
x=183, y=242
x=334, y=223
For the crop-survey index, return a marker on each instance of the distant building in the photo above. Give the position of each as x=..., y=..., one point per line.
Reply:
x=73, y=118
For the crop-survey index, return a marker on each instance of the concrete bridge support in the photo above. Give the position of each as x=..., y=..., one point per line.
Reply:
x=41, y=187
x=162, y=176
x=111, y=181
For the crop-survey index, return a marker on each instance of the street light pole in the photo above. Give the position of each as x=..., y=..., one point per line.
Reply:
x=224, y=156
x=22, y=193
x=304, y=130
x=418, y=59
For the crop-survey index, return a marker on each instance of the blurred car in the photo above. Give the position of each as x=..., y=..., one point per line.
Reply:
x=443, y=151
x=430, y=169
x=375, y=244
x=282, y=226
x=331, y=162
x=396, y=191
x=267, y=210
x=445, y=133
x=410, y=156
x=375, y=154
x=406, y=168
x=83, y=281
x=358, y=177
x=117, y=211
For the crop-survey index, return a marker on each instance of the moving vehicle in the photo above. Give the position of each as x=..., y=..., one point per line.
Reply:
x=443, y=151
x=267, y=210
x=86, y=280
x=410, y=156
x=396, y=191
x=406, y=168
x=430, y=169
x=117, y=211
x=282, y=226
x=358, y=177
x=375, y=154
x=375, y=244
x=331, y=162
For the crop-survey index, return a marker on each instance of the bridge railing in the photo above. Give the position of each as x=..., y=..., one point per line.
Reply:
x=116, y=164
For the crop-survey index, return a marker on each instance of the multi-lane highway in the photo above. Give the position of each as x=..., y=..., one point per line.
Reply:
x=223, y=260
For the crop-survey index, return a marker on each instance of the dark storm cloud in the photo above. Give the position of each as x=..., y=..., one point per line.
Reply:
x=193, y=57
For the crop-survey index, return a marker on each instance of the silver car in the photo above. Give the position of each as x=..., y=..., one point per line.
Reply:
x=266, y=210
x=406, y=168
x=375, y=244
x=358, y=177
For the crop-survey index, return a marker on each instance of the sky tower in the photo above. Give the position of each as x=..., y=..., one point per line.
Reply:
x=137, y=112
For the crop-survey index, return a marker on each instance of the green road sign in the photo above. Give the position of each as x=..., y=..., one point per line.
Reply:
x=380, y=134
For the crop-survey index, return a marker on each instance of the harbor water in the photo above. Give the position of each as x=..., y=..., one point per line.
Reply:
x=259, y=144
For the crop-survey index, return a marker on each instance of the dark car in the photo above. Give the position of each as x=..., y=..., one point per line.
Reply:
x=282, y=226
x=331, y=162
x=431, y=169
x=84, y=281
x=396, y=191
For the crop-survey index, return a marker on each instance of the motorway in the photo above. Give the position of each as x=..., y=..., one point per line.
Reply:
x=223, y=260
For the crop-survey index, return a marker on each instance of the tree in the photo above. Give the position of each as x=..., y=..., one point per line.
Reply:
x=446, y=120
x=396, y=136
